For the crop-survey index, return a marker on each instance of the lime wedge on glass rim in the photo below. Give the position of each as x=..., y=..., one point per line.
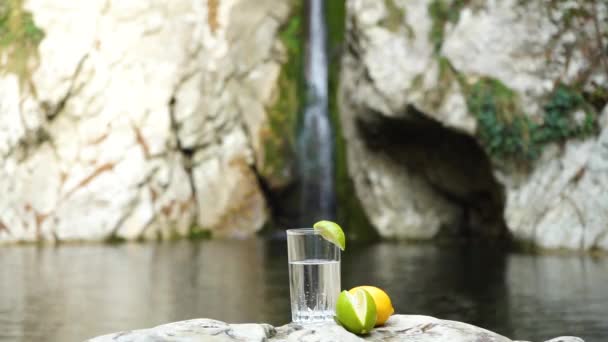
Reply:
x=331, y=232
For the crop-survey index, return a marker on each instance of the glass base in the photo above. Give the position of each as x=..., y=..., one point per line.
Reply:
x=308, y=316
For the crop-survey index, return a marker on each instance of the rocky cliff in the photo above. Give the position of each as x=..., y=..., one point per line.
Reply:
x=138, y=119
x=460, y=117
x=479, y=118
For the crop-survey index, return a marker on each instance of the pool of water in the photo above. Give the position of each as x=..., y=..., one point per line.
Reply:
x=72, y=292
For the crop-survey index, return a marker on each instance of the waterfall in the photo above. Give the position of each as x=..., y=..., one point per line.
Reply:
x=315, y=141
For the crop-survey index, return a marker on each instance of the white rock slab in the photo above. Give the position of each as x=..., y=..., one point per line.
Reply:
x=411, y=328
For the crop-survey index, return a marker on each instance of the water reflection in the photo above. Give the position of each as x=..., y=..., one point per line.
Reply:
x=563, y=293
x=459, y=283
x=72, y=292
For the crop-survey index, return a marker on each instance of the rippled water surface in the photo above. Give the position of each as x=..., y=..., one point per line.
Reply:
x=72, y=292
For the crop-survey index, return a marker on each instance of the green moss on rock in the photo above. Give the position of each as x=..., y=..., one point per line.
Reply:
x=350, y=213
x=115, y=239
x=278, y=137
x=503, y=130
x=442, y=12
x=19, y=37
x=394, y=17
x=506, y=132
x=446, y=78
x=336, y=16
x=597, y=97
x=198, y=233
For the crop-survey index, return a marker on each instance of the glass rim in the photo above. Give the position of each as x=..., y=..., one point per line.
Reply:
x=302, y=231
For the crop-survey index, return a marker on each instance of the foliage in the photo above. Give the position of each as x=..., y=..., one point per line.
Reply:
x=350, y=213
x=395, y=16
x=336, y=16
x=445, y=79
x=278, y=138
x=508, y=133
x=115, y=239
x=558, y=121
x=504, y=128
x=597, y=97
x=19, y=36
x=198, y=233
x=442, y=12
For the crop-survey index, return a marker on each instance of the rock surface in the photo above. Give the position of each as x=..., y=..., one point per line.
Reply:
x=566, y=339
x=563, y=202
x=409, y=78
x=398, y=328
x=139, y=120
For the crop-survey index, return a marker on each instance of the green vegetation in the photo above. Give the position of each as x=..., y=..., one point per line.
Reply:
x=19, y=37
x=570, y=17
x=336, y=17
x=507, y=133
x=442, y=12
x=198, y=233
x=115, y=239
x=559, y=123
x=445, y=80
x=278, y=138
x=503, y=130
x=350, y=212
x=395, y=16
x=597, y=97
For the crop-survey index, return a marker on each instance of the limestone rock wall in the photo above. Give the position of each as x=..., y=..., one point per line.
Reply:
x=563, y=201
x=527, y=81
x=138, y=119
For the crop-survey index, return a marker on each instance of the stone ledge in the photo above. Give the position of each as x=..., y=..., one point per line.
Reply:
x=411, y=328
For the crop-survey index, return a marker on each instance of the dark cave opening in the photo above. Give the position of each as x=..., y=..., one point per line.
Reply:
x=452, y=163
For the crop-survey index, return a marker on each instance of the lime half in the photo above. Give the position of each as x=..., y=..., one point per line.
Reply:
x=384, y=307
x=331, y=232
x=356, y=311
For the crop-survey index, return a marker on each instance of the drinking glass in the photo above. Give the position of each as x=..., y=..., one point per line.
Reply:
x=314, y=276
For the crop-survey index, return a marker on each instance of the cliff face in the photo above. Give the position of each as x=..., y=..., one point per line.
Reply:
x=137, y=120
x=479, y=117
x=156, y=120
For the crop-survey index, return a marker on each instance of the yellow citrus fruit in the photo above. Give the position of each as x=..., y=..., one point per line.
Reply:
x=384, y=307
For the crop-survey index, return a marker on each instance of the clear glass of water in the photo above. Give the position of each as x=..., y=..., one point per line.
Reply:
x=314, y=276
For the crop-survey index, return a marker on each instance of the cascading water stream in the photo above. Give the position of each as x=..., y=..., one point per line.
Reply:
x=315, y=141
